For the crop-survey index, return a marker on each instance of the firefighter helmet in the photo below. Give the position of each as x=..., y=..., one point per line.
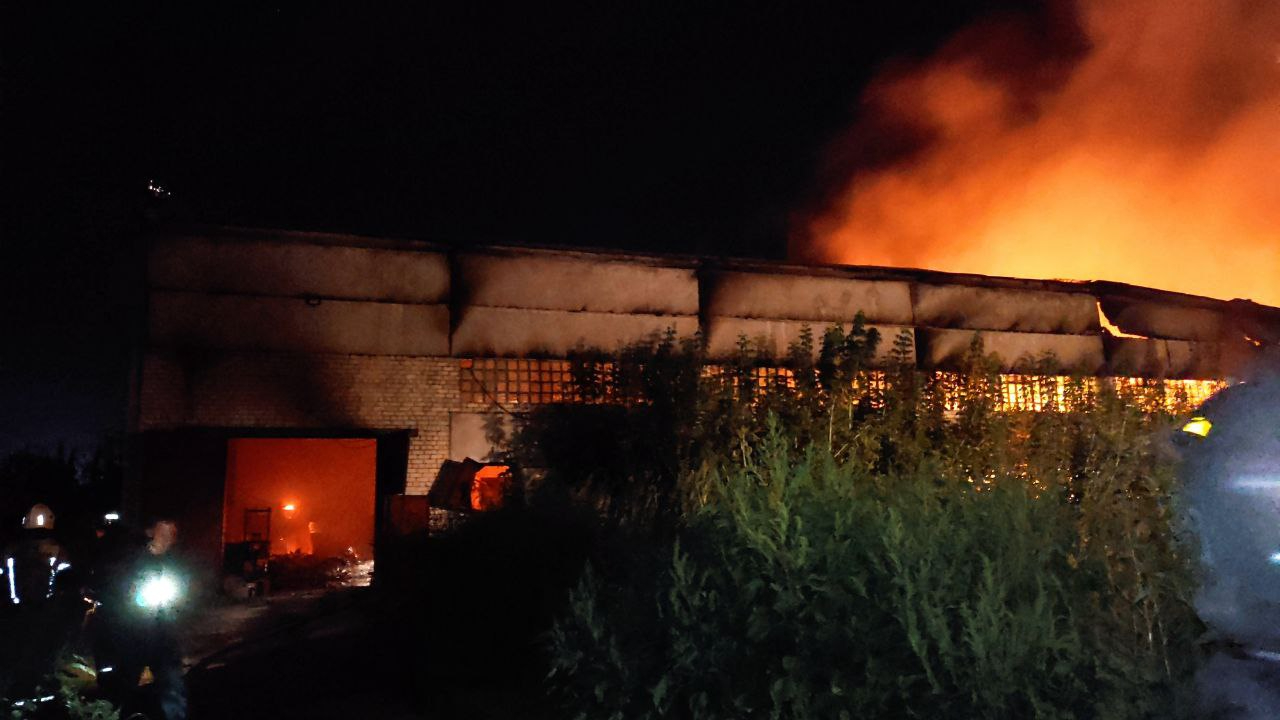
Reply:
x=39, y=517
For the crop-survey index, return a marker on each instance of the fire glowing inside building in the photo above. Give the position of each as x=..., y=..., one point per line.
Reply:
x=309, y=496
x=316, y=392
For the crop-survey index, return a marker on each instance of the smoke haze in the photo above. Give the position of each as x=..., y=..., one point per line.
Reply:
x=1135, y=141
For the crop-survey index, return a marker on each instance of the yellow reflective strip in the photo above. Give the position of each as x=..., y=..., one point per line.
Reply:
x=1198, y=426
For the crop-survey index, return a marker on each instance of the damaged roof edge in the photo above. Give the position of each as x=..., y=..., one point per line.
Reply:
x=1096, y=288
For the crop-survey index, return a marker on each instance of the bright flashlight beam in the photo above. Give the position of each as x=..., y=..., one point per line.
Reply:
x=157, y=592
x=1255, y=483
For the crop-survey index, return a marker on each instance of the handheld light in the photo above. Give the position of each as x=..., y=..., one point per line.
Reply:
x=156, y=592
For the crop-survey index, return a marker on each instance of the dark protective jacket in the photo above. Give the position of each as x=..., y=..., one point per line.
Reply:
x=120, y=563
x=127, y=636
x=32, y=565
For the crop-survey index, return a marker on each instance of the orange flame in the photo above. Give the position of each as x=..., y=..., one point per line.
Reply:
x=1151, y=160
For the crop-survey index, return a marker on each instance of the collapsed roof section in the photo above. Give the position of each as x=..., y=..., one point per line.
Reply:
x=240, y=289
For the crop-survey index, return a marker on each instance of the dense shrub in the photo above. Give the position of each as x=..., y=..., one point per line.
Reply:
x=65, y=699
x=809, y=589
x=842, y=544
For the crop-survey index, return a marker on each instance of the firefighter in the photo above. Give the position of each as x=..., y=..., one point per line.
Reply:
x=1229, y=453
x=138, y=587
x=35, y=629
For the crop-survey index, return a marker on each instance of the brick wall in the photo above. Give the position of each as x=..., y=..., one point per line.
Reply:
x=293, y=392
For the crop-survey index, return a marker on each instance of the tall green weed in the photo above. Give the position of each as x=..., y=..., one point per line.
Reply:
x=833, y=543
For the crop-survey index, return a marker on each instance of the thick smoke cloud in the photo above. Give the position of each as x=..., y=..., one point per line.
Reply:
x=1148, y=153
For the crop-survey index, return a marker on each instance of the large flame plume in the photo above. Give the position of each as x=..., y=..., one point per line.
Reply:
x=1150, y=154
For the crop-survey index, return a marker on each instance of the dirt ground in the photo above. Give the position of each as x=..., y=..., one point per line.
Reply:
x=297, y=655
x=330, y=654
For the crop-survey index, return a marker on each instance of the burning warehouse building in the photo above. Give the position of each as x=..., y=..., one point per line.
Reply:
x=292, y=384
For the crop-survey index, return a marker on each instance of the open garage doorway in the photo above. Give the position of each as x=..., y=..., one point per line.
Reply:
x=307, y=504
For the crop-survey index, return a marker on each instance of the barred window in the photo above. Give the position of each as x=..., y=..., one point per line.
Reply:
x=765, y=377
x=516, y=381
x=1172, y=395
x=532, y=382
x=1033, y=392
x=1049, y=392
x=761, y=377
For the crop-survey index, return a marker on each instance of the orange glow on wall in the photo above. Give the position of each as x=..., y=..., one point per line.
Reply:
x=321, y=492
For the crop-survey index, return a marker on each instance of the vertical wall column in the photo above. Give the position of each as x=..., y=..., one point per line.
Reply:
x=438, y=395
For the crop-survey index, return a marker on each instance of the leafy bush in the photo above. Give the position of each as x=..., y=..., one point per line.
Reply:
x=809, y=589
x=66, y=699
x=851, y=544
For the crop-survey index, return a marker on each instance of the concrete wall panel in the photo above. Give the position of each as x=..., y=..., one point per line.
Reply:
x=1136, y=357
x=224, y=290
x=977, y=308
x=1259, y=329
x=1241, y=360
x=812, y=298
x=944, y=349
x=469, y=437
x=240, y=322
x=569, y=283
x=506, y=332
x=774, y=337
x=1201, y=360
x=1154, y=320
x=297, y=269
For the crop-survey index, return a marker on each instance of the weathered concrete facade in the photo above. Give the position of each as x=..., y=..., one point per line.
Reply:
x=279, y=333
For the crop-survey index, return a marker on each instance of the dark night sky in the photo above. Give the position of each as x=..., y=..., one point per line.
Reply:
x=693, y=127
